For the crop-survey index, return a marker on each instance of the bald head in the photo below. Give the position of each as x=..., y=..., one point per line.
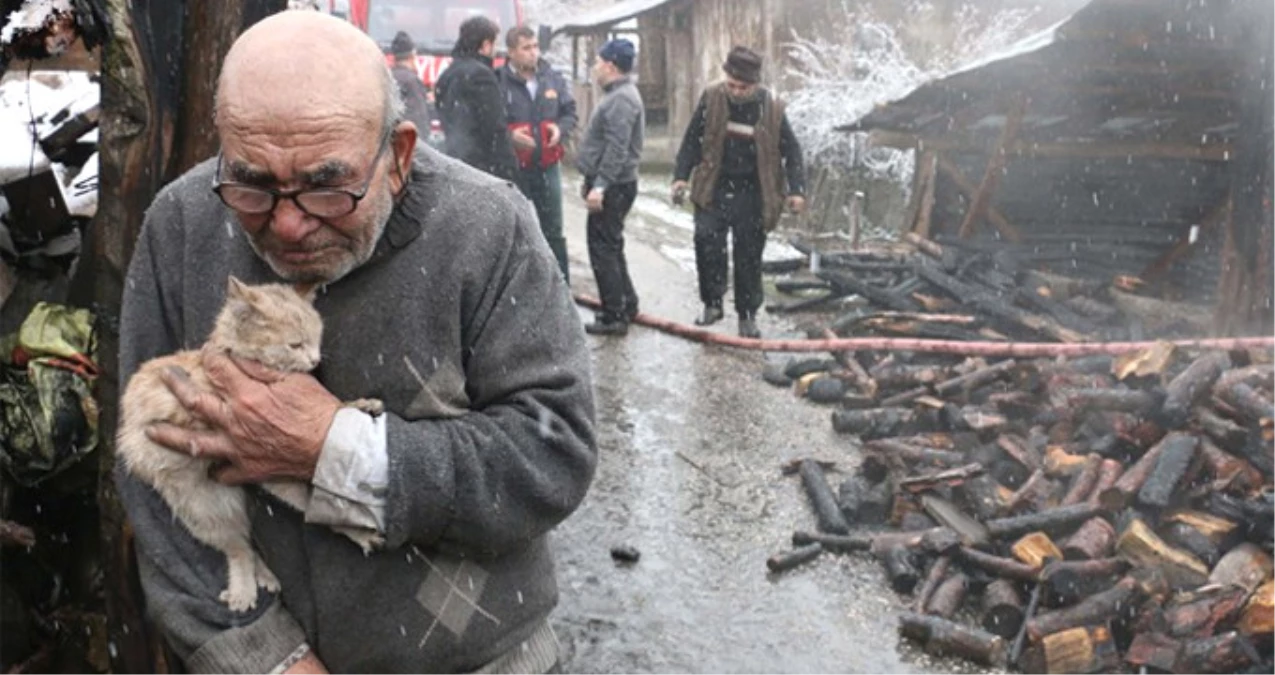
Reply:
x=296, y=65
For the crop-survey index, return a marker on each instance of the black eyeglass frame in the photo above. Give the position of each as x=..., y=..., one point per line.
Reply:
x=294, y=195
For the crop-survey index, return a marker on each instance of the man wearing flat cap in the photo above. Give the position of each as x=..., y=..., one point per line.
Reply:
x=743, y=163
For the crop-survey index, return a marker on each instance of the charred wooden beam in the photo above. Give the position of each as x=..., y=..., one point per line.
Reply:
x=864, y=502
x=1121, y=494
x=782, y=562
x=833, y=542
x=1247, y=401
x=1258, y=617
x=901, y=375
x=942, y=637
x=846, y=284
x=1051, y=521
x=1191, y=540
x=949, y=596
x=1070, y=581
x=1036, y=549
x=1229, y=470
x=973, y=380
x=929, y=481
x=1114, y=602
x=947, y=514
x=1256, y=515
x=994, y=306
x=934, y=576
x=1135, y=401
x=900, y=569
x=1144, y=548
x=983, y=496
x=877, y=423
x=1245, y=566
x=1108, y=475
x=1002, y=608
x=1083, y=482
x=1095, y=539
x=1020, y=451
x=915, y=454
x=1035, y=492
x=1006, y=568
x=1084, y=649
x=1154, y=650
x=1198, y=614
x=822, y=500
x=1190, y=387
x=1229, y=652
x=1170, y=472
x=1224, y=432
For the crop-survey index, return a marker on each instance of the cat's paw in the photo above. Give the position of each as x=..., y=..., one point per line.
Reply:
x=239, y=598
x=366, y=539
x=266, y=578
x=371, y=406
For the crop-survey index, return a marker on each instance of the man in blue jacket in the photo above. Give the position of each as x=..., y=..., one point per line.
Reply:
x=542, y=115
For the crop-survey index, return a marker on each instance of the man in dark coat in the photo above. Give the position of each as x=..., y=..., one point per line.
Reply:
x=747, y=164
x=470, y=104
x=415, y=95
x=542, y=115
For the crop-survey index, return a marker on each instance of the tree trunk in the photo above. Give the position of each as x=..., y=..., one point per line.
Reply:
x=156, y=123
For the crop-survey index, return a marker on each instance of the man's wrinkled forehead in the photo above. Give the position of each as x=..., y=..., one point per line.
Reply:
x=261, y=148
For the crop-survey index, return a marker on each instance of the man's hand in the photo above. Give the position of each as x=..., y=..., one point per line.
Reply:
x=555, y=134
x=594, y=200
x=797, y=204
x=522, y=139
x=308, y=665
x=677, y=193
x=264, y=425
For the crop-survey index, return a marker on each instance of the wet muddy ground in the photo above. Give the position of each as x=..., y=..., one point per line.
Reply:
x=691, y=442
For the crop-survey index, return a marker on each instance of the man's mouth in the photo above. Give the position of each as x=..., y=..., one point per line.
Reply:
x=302, y=257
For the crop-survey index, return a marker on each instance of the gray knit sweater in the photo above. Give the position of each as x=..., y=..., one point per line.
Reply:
x=462, y=325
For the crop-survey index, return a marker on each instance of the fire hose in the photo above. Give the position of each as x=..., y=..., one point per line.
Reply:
x=984, y=348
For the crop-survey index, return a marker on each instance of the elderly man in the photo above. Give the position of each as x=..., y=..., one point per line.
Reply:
x=747, y=165
x=440, y=298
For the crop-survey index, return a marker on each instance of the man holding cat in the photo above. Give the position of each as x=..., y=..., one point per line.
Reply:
x=439, y=297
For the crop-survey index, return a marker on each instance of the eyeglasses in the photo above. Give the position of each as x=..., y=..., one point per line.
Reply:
x=316, y=202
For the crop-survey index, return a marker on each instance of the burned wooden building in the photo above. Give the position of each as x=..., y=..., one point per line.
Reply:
x=1130, y=143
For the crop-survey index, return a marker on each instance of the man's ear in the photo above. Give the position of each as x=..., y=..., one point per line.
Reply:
x=404, y=144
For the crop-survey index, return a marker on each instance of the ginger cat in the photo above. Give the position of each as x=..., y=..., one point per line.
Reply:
x=276, y=325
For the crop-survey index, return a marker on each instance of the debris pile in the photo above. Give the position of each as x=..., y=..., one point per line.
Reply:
x=922, y=289
x=1098, y=514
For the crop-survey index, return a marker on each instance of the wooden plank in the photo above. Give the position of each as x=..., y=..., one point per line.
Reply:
x=994, y=215
x=1208, y=152
x=924, y=193
x=995, y=169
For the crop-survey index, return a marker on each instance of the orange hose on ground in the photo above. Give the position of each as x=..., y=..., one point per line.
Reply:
x=1020, y=349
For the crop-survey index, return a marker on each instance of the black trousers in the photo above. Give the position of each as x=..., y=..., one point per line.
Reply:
x=606, y=252
x=737, y=209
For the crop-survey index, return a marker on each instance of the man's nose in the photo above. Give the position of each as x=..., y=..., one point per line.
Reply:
x=290, y=224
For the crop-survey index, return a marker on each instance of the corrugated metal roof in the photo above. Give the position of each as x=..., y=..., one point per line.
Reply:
x=609, y=16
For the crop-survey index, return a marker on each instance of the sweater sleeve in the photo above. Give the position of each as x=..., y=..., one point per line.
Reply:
x=691, y=152
x=794, y=162
x=182, y=577
x=521, y=459
x=617, y=136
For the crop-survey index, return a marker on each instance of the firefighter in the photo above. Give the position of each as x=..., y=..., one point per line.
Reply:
x=542, y=115
x=746, y=163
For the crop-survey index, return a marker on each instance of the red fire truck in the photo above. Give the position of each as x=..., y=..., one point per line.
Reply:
x=433, y=24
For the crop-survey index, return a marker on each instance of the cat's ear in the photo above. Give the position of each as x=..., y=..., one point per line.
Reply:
x=237, y=289
x=306, y=291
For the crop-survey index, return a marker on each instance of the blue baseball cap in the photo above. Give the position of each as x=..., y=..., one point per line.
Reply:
x=621, y=52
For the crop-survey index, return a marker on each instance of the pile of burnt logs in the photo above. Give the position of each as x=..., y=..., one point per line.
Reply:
x=1094, y=515
x=927, y=290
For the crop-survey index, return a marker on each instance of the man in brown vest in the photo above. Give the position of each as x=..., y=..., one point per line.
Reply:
x=746, y=160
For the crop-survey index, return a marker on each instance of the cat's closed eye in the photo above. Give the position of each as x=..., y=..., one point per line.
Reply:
x=296, y=345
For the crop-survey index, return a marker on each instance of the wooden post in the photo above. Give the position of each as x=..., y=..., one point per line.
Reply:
x=924, y=195
x=1244, y=291
x=995, y=167
x=155, y=124
x=994, y=215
